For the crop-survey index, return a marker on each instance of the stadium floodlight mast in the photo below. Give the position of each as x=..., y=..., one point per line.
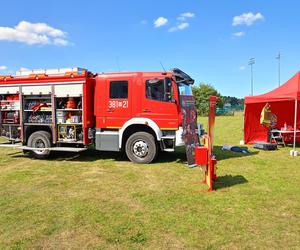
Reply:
x=251, y=62
x=278, y=57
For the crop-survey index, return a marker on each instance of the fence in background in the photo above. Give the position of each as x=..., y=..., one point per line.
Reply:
x=229, y=110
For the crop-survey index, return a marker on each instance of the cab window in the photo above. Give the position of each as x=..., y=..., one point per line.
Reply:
x=118, y=90
x=159, y=89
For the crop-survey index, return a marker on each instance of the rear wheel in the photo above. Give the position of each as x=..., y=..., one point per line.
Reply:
x=40, y=140
x=141, y=148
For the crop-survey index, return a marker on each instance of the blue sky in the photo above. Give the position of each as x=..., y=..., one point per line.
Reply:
x=210, y=40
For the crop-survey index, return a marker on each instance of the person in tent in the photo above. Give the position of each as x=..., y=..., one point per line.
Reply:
x=268, y=119
x=265, y=115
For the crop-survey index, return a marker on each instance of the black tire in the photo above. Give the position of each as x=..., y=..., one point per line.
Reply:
x=40, y=139
x=141, y=148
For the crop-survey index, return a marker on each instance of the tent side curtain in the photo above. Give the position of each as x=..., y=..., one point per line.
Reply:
x=254, y=131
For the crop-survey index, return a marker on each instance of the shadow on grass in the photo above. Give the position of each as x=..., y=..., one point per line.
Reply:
x=226, y=154
x=229, y=181
x=17, y=153
x=85, y=156
x=93, y=155
x=178, y=156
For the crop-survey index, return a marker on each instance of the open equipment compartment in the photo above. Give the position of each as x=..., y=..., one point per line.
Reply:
x=10, y=116
x=37, y=110
x=51, y=110
x=69, y=120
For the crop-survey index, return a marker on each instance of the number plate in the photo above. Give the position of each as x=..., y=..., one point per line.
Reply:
x=118, y=104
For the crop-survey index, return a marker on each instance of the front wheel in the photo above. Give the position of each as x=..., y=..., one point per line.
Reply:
x=141, y=148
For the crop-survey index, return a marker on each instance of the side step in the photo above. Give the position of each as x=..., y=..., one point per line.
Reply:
x=61, y=149
x=9, y=145
x=168, y=143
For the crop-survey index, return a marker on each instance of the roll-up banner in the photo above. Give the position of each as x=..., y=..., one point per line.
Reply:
x=190, y=128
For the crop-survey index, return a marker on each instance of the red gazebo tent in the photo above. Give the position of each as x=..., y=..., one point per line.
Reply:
x=284, y=103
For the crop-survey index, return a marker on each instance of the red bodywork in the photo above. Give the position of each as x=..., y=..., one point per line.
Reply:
x=113, y=113
x=108, y=110
x=88, y=83
x=99, y=111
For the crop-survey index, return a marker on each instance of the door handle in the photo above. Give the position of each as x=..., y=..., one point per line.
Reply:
x=146, y=110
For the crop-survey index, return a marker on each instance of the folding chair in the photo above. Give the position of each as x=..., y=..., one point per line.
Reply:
x=277, y=137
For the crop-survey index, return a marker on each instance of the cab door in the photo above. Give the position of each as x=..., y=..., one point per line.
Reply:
x=118, y=102
x=157, y=105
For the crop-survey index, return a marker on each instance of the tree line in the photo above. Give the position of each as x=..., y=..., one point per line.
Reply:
x=202, y=93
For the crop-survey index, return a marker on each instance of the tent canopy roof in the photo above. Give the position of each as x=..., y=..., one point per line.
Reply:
x=286, y=92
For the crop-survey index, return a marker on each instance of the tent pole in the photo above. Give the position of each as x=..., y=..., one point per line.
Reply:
x=295, y=123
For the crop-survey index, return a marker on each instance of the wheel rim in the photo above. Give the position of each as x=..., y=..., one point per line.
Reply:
x=40, y=144
x=140, y=149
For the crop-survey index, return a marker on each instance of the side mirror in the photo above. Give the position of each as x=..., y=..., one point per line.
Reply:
x=168, y=89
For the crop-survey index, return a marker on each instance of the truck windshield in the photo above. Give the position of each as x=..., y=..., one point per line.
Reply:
x=185, y=89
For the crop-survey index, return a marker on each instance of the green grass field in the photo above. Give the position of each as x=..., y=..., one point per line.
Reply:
x=102, y=201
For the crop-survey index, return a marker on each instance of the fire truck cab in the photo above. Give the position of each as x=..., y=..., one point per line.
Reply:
x=70, y=109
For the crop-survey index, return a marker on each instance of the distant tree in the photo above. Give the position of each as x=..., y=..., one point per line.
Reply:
x=233, y=101
x=202, y=94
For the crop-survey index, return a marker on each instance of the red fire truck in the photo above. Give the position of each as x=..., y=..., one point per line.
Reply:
x=71, y=109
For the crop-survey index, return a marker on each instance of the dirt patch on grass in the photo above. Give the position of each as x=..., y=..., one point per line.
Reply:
x=73, y=239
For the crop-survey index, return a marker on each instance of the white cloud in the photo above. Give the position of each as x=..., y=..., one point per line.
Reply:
x=183, y=26
x=239, y=34
x=242, y=67
x=39, y=28
x=180, y=26
x=247, y=19
x=185, y=15
x=33, y=34
x=182, y=22
x=3, y=67
x=188, y=14
x=60, y=42
x=161, y=21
